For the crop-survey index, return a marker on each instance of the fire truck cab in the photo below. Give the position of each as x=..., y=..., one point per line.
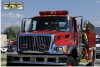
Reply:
x=55, y=38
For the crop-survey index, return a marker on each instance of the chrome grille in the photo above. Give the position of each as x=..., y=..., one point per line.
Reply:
x=97, y=48
x=42, y=40
x=26, y=40
x=33, y=43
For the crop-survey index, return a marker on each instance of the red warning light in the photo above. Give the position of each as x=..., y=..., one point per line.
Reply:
x=45, y=13
x=53, y=12
x=61, y=12
x=24, y=46
x=42, y=46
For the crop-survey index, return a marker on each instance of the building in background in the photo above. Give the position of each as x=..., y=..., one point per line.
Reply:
x=3, y=40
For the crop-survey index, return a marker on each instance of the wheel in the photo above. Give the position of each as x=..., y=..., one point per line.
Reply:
x=70, y=61
x=3, y=52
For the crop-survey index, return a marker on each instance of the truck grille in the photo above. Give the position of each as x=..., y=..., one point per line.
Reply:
x=97, y=48
x=33, y=43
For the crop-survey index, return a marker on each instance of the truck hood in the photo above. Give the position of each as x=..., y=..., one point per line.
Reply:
x=59, y=35
x=49, y=32
x=45, y=32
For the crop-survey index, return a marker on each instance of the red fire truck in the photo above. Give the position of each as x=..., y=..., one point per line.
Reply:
x=55, y=38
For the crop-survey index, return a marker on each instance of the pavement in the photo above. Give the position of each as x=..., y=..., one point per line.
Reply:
x=97, y=60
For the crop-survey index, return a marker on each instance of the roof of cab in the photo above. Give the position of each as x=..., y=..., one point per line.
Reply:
x=53, y=16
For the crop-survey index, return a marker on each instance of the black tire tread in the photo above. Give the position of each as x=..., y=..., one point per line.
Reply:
x=70, y=60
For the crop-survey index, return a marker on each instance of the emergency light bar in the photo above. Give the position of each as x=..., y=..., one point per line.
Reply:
x=45, y=13
x=53, y=12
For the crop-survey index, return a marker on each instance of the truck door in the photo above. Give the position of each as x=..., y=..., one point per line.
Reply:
x=74, y=31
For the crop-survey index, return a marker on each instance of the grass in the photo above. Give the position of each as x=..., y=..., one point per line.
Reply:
x=3, y=64
x=3, y=59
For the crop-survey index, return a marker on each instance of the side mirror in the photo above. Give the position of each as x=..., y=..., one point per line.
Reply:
x=23, y=26
x=81, y=21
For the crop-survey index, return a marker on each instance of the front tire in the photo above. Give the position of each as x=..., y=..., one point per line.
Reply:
x=70, y=61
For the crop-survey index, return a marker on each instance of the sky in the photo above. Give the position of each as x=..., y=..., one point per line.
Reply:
x=89, y=9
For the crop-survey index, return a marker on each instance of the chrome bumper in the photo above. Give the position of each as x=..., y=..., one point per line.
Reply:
x=32, y=59
x=43, y=63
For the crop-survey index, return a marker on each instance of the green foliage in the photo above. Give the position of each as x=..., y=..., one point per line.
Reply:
x=3, y=59
x=3, y=65
x=12, y=32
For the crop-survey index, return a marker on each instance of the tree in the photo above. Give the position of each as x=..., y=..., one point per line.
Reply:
x=12, y=32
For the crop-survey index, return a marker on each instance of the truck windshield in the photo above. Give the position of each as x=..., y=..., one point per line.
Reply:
x=49, y=23
x=97, y=40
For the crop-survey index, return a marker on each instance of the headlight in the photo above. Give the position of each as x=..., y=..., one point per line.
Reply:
x=61, y=49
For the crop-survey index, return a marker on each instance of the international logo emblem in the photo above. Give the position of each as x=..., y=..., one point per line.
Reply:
x=34, y=35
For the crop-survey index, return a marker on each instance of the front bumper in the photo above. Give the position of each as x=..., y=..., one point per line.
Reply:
x=37, y=59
